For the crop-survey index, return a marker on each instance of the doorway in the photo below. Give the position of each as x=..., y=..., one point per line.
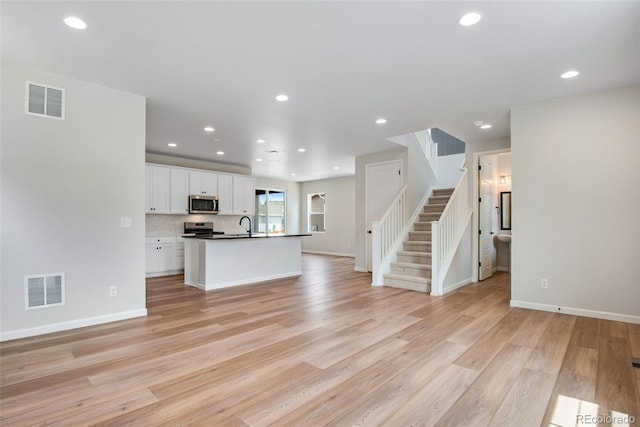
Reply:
x=382, y=185
x=493, y=169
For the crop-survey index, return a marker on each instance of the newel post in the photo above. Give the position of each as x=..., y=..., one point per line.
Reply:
x=436, y=285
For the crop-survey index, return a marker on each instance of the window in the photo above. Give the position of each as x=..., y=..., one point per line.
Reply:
x=315, y=209
x=270, y=211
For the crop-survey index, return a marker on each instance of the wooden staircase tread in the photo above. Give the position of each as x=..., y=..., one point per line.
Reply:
x=406, y=278
x=414, y=253
x=411, y=265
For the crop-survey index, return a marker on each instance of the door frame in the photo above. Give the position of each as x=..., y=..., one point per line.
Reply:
x=367, y=224
x=475, y=256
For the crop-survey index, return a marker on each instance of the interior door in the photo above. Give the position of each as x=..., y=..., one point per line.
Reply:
x=485, y=175
x=383, y=183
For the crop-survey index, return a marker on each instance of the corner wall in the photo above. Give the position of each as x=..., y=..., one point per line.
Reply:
x=339, y=237
x=64, y=186
x=576, y=205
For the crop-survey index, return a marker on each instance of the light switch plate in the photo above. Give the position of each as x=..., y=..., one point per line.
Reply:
x=125, y=222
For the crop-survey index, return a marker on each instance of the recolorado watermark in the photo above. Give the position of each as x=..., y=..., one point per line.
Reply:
x=606, y=419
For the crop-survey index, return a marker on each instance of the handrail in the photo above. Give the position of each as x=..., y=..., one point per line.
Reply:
x=385, y=233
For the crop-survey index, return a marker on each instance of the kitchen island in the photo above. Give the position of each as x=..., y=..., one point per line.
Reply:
x=221, y=261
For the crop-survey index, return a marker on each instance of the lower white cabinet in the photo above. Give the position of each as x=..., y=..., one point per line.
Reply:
x=160, y=254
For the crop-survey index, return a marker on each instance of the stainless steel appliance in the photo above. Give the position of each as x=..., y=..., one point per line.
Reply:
x=203, y=204
x=200, y=229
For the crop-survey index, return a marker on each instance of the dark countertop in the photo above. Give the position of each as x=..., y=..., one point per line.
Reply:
x=242, y=236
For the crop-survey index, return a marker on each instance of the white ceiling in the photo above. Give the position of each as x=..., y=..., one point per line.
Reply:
x=342, y=64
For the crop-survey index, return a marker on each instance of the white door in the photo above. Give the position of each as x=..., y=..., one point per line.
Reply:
x=383, y=183
x=486, y=206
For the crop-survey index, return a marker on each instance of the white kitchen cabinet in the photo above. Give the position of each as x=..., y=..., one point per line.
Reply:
x=203, y=183
x=179, y=191
x=225, y=194
x=244, y=195
x=179, y=264
x=157, y=189
x=160, y=254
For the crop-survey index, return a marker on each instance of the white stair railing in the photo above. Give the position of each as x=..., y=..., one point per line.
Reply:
x=384, y=236
x=447, y=232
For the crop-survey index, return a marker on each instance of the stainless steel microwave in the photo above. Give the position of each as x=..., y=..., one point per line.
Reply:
x=203, y=205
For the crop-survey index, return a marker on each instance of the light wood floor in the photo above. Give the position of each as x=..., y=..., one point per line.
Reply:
x=325, y=349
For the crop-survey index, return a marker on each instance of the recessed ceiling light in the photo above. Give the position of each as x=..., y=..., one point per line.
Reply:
x=282, y=97
x=258, y=160
x=220, y=153
x=293, y=174
x=570, y=74
x=381, y=121
x=301, y=150
x=209, y=129
x=335, y=168
x=469, y=19
x=261, y=141
x=486, y=126
x=75, y=22
x=172, y=144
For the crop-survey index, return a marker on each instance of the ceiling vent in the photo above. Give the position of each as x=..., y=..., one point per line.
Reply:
x=43, y=100
x=43, y=290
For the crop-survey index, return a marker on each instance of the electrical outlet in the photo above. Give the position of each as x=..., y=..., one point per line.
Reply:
x=125, y=222
x=113, y=291
x=544, y=283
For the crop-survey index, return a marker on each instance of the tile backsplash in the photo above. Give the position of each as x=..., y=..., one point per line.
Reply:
x=174, y=224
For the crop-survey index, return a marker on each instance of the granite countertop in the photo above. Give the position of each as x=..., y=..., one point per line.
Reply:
x=242, y=236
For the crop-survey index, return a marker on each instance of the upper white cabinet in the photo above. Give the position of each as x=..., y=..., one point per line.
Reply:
x=168, y=189
x=203, y=183
x=157, y=181
x=179, y=191
x=244, y=194
x=225, y=194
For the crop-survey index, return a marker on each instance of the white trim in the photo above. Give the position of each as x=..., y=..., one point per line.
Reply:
x=360, y=270
x=457, y=285
x=304, y=251
x=577, y=311
x=72, y=324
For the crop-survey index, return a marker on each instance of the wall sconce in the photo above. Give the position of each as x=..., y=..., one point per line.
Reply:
x=505, y=179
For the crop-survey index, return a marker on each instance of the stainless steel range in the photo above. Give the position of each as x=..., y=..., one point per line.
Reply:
x=200, y=229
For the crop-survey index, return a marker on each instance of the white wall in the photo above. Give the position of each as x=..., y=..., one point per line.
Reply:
x=340, y=216
x=449, y=170
x=576, y=205
x=361, y=226
x=65, y=184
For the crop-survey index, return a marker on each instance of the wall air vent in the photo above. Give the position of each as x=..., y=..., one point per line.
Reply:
x=43, y=290
x=43, y=100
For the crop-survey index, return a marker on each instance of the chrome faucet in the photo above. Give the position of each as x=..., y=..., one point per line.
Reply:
x=250, y=228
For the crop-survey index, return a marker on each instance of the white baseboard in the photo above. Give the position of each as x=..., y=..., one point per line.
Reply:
x=361, y=270
x=72, y=324
x=304, y=251
x=165, y=273
x=577, y=311
x=457, y=285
